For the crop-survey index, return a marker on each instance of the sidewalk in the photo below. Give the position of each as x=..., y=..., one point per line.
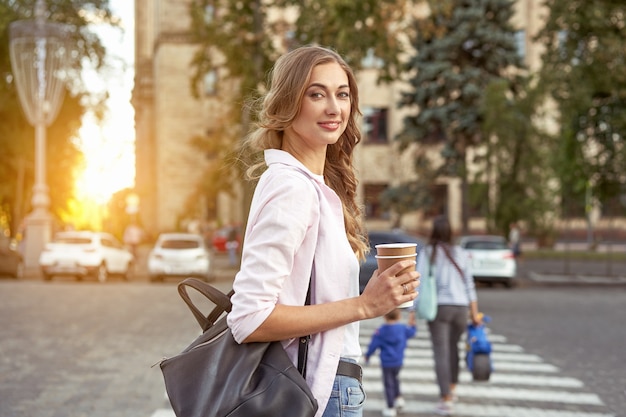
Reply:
x=571, y=279
x=578, y=246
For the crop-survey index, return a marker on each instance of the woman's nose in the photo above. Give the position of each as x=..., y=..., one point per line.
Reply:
x=332, y=106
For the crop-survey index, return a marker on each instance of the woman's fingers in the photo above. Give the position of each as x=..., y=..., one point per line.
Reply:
x=393, y=286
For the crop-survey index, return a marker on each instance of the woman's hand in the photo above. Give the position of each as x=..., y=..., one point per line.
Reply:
x=388, y=289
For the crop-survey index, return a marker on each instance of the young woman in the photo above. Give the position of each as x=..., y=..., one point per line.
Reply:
x=456, y=298
x=304, y=224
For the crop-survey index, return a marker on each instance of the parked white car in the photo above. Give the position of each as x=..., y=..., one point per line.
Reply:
x=492, y=259
x=85, y=253
x=179, y=255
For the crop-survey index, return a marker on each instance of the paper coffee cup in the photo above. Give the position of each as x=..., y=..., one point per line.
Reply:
x=385, y=262
x=396, y=249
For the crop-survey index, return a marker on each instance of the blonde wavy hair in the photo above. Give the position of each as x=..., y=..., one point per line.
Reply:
x=281, y=105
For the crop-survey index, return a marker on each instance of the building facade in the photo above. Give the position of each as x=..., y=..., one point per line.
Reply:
x=168, y=116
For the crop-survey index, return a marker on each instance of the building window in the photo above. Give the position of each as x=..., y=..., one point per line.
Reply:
x=210, y=83
x=520, y=43
x=375, y=125
x=373, y=208
x=209, y=14
x=371, y=60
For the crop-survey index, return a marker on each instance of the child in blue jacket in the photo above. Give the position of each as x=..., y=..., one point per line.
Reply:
x=391, y=338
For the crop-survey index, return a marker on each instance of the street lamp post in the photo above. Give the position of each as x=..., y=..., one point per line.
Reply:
x=40, y=52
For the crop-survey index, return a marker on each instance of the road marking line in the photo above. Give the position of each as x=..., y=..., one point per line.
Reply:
x=474, y=410
x=413, y=374
x=491, y=393
x=499, y=356
x=498, y=366
x=163, y=412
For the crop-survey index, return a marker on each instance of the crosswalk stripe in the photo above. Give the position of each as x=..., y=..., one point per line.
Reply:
x=492, y=392
x=374, y=373
x=164, y=412
x=500, y=366
x=499, y=356
x=476, y=410
x=425, y=343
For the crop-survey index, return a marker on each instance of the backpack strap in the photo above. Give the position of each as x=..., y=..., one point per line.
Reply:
x=303, y=345
x=221, y=301
x=451, y=258
x=448, y=255
x=223, y=305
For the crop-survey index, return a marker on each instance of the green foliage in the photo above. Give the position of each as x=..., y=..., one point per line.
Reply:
x=17, y=136
x=462, y=47
x=584, y=73
x=355, y=28
x=520, y=156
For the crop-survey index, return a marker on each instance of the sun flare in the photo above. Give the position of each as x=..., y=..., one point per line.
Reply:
x=108, y=145
x=109, y=152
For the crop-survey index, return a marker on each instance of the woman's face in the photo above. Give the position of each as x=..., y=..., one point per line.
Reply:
x=325, y=108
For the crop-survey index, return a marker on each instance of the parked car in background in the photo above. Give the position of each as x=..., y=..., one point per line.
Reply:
x=85, y=254
x=378, y=237
x=491, y=259
x=11, y=262
x=180, y=255
x=223, y=235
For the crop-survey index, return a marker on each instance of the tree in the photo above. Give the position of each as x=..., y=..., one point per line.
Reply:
x=516, y=163
x=583, y=74
x=17, y=136
x=240, y=41
x=461, y=47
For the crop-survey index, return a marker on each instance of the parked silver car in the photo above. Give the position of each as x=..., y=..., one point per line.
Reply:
x=83, y=254
x=492, y=259
x=179, y=255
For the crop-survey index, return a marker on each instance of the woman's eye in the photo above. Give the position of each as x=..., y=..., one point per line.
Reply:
x=344, y=94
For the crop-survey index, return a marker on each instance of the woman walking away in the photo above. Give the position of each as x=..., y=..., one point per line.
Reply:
x=305, y=226
x=456, y=298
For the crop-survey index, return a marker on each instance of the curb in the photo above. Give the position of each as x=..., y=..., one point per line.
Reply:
x=554, y=279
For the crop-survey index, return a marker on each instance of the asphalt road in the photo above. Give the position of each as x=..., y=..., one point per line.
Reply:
x=579, y=329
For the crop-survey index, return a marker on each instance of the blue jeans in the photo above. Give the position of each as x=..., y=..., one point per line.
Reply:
x=392, y=384
x=346, y=399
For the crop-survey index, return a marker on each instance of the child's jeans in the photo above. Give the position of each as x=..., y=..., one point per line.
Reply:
x=392, y=384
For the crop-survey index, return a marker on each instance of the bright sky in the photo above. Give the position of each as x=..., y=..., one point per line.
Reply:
x=110, y=149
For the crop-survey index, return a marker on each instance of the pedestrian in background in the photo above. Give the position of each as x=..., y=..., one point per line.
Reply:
x=232, y=246
x=515, y=237
x=456, y=299
x=305, y=226
x=391, y=338
x=133, y=235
